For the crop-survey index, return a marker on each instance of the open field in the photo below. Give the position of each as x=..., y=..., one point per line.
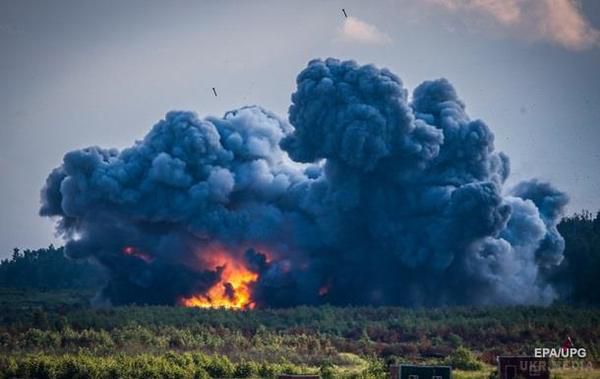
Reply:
x=57, y=334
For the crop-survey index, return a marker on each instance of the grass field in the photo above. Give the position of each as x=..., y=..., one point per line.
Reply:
x=56, y=334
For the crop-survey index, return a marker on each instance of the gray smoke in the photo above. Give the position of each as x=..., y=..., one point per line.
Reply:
x=364, y=197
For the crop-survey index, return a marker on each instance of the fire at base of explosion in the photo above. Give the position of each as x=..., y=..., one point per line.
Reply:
x=233, y=290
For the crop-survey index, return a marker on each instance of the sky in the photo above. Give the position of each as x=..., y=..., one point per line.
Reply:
x=81, y=73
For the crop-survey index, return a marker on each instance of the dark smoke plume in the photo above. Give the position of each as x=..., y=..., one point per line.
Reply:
x=366, y=196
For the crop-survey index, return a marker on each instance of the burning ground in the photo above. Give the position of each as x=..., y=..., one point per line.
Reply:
x=366, y=196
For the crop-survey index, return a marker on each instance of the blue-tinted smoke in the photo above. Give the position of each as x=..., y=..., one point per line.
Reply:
x=364, y=197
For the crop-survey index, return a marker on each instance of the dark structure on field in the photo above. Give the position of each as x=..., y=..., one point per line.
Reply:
x=523, y=367
x=420, y=372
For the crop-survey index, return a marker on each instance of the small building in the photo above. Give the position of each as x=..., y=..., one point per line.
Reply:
x=420, y=372
x=523, y=367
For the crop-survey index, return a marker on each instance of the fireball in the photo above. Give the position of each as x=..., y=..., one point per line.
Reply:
x=232, y=291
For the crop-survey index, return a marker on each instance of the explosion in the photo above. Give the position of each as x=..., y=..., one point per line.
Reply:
x=232, y=291
x=369, y=195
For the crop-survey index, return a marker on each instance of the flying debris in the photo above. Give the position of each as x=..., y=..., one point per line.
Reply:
x=214, y=91
x=344, y=11
x=367, y=195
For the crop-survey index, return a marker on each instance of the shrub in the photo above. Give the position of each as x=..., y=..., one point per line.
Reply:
x=327, y=371
x=220, y=367
x=463, y=359
x=246, y=370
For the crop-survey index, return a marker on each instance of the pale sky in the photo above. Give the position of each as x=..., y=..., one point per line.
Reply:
x=81, y=73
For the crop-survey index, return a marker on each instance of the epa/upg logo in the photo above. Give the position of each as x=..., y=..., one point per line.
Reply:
x=567, y=350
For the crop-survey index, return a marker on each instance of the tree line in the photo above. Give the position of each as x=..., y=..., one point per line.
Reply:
x=575, y=279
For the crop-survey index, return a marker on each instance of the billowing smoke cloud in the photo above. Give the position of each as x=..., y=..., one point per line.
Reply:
x=364, y=197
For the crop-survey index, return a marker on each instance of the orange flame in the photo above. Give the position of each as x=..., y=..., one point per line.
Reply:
x=325, y=288
x=135, y=252
x=233, y=291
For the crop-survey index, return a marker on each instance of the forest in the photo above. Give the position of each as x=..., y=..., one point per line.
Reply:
x=48, y=329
